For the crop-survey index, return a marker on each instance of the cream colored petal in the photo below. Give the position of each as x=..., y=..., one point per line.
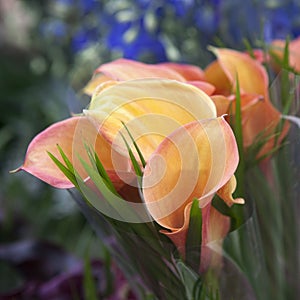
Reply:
x=150, y=108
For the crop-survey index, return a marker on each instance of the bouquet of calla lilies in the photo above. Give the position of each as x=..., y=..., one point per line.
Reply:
x=189, y=176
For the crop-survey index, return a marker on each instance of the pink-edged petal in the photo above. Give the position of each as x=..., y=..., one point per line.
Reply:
x=72, y=135
x=188, y=72
x=187, y=165
x=38, y=162
x=125, y=69
x=206, y=87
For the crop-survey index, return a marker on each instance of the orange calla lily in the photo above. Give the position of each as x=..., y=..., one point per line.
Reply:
x=259, y=117
x=125, y=69
x=277, y=47
x=188, y=165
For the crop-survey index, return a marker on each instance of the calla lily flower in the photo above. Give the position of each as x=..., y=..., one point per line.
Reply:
x=71, y=135
x=258, y=114
x=277, y=47
x=125, y=69
x=150, y=108
x=189, y=165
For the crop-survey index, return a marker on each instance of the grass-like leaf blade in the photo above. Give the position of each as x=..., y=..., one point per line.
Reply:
x=194, y=236
x=67, y=172
x=143, y=161
x=96, y=163
x=238, y=131
x=135, y=164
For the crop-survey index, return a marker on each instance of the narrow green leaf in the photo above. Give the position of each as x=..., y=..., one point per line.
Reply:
x=119, y=205
x=103, y=173
x=189, y=278
x=90, y=288
x=67, y=172
x=194, y=237
x=238, y=131
x=143, y=161
x=136, y=165
x=248, y=47
x=97, y=165
x=236, y=212
x=286, y=54
x=65, y=158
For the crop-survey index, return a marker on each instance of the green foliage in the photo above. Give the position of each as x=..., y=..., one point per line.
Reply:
x=194, y=237
x=90, y=290
x=238, y=132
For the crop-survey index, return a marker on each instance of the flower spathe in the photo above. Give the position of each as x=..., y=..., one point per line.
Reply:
x=189, y=165
x=72, y=135
x=277, y=47
x=150, y=108
x=125, y=69
x=259, y=116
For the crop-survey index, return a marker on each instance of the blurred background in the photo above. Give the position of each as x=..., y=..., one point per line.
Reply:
x=48, y=51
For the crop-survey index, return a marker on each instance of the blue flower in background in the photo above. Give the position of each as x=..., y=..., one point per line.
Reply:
x=144, y=44
x=83, y=38
x=207, y=18
x=148, y=28
x=83, y=6
x=281, y=20
x=154, y=30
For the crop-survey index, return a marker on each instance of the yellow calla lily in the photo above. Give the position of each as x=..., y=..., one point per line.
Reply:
x=150, y=108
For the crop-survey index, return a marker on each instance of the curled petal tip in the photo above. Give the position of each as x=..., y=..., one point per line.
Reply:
x=226, y=191
x=239, y=201
x=212, y=48
x=16, y=170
